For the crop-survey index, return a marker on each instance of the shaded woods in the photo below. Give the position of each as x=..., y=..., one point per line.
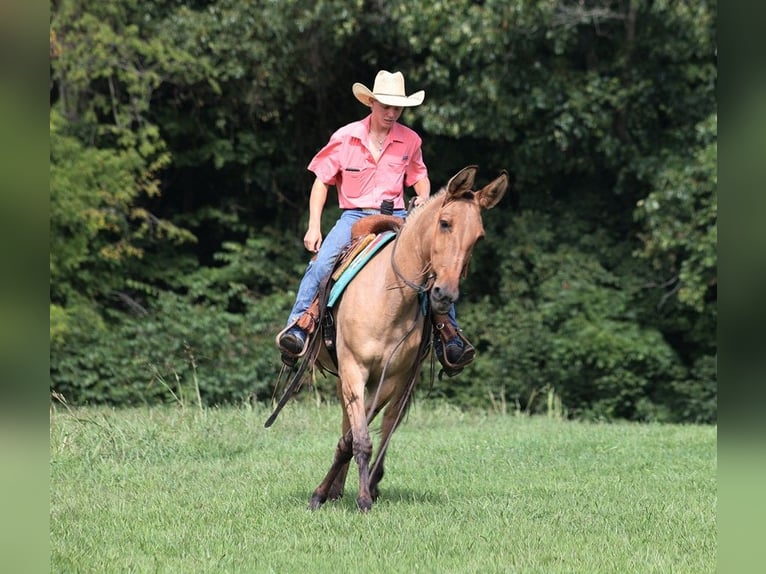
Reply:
x=179, y=138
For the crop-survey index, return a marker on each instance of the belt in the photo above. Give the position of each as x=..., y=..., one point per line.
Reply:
x=366, y=209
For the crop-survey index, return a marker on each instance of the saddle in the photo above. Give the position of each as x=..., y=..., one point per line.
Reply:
x=368, y=235
x=375, y=224
x=319, y=320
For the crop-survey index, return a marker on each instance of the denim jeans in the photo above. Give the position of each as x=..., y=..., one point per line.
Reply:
x=322, y=265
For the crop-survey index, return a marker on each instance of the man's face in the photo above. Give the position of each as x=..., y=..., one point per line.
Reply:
x=385, y=115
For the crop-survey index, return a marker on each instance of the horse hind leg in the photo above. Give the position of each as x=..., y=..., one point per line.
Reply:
x=391, y=419
x=378, y=469
x=376, y=477
x=332, y=485
x=338, y=485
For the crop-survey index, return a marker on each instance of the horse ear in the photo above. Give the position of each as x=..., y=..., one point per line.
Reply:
x=493, y=192
x=462, y=181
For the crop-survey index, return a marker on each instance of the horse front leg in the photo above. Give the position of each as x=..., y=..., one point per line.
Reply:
x=353, y=397
x=362, y=453
x=339, y=483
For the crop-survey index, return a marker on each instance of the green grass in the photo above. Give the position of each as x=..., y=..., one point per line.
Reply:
x=174, y=490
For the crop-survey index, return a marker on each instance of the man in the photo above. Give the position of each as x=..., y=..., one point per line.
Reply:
x=369, y=161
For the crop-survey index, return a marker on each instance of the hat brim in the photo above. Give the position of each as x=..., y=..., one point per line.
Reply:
x=364, y=95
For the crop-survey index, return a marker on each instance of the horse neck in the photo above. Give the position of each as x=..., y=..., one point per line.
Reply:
x=413, y=248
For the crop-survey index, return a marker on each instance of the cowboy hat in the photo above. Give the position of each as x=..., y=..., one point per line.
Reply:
x=389, y=90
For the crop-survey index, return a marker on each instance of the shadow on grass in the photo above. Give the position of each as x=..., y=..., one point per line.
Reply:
x=394, y=495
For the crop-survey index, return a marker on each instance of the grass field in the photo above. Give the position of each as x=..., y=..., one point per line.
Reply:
x=184, y=490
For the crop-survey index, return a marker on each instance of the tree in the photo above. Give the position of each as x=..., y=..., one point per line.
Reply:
x=201, y=116
x=105, y=157
x=679, y=221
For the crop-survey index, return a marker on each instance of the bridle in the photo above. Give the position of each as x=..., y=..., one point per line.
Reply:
x=419, y=289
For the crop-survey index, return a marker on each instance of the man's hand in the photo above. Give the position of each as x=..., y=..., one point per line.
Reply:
x=312, y=240
x=422, y=190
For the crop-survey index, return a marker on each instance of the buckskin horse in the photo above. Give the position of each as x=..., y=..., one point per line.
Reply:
x=383, y=329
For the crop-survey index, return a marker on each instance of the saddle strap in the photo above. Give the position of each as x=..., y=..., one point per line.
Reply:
x=445, y=327
x=447, y=332
x=310, y=318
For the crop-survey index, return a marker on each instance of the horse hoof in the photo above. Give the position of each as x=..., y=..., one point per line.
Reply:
x=364, y=504
x=335, y=495
x=315, y=503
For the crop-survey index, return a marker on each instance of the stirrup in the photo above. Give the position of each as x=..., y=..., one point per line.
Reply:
x=308, y=323
x=288, y=357
x=445, y=331
x=466, y=357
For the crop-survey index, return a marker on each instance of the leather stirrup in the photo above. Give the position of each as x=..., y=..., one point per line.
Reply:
x=446, y=332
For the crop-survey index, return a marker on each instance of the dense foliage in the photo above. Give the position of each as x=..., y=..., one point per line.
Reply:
x=180, y=132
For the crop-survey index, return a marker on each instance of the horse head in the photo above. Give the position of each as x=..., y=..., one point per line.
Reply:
x=458, y=227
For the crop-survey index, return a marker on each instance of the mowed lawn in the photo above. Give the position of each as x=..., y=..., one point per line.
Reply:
x=183, y=490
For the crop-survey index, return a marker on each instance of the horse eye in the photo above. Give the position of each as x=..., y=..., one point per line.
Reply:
x=444, y=225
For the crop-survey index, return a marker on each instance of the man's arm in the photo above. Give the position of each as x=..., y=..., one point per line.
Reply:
x=313, y=238
x=422, y=189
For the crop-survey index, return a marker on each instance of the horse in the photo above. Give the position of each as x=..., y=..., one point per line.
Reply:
x=382, y=331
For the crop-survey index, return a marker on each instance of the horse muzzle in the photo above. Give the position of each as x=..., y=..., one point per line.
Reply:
x=442, y=299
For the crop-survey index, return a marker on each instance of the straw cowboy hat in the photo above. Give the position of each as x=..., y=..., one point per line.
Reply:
x=388, y=90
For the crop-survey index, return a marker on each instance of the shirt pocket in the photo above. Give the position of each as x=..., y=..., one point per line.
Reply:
x=395, y=172
x=356, y=180
x=396, y=166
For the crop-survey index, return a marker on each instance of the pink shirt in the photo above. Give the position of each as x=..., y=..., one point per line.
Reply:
x=347, y=163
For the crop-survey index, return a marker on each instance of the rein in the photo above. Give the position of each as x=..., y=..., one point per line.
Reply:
x=423, y=349
x=374, y=403
x=404, y=400
x=420, y=289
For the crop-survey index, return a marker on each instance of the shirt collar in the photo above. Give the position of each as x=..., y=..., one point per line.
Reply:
x=362, y=130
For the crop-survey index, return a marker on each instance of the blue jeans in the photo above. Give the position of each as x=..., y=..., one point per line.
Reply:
x=338, y=238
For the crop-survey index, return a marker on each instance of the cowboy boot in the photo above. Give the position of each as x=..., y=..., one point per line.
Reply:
x=293, y=340
x=453, y=350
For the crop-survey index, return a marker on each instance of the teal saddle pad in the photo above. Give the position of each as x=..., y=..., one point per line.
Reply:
x=359, y=261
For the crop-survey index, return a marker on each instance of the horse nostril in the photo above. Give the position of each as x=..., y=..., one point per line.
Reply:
x=442, y=294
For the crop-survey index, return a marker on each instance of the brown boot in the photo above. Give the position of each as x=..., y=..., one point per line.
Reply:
x=453, y=350
x=293, y=340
